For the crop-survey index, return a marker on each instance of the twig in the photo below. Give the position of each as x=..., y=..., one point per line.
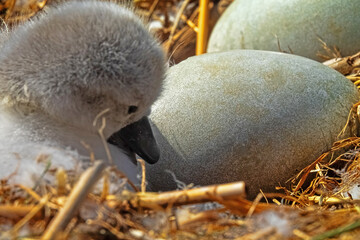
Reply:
x=10, y=8
x=176, y=23
x=241, y=206
x=15, y=212
x=336, y=146
x=61, y=180
x=103, y=139
x=202, y=34
x=185, y=217
x=29, y=216
x=29, y=191
x=100, y=115
x=344, y=65
x=331, y=52
x=106, y=186
x=152, y=8
x=253, y=207
x=190, y=23
x=143, y=175
x=76, y=197
x=350, y=116
x=101, y=133
x=190, y=196
x=329, y=200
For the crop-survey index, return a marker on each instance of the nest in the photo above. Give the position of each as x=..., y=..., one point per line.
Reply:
x=81, y=206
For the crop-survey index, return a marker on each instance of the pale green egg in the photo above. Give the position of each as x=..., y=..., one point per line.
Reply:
x=292, y=26
x=246, y=115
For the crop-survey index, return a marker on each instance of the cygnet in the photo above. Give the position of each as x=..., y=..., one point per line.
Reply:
x=59, y=72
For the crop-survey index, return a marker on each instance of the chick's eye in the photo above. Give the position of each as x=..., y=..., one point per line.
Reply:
x=132, y=109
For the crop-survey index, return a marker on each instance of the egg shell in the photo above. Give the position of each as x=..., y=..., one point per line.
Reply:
x=247, y=115
x=293, y=26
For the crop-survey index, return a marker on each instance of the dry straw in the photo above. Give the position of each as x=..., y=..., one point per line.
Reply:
x=74, y=207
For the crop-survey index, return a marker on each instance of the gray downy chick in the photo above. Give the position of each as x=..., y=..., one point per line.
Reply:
x=59, y=71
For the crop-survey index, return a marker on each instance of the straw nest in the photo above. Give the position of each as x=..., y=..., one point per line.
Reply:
x=72, y=208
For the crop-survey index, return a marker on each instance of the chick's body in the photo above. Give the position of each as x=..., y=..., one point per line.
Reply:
x=58, y=72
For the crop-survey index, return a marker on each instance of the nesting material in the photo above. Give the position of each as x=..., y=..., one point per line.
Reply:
x=327, y=208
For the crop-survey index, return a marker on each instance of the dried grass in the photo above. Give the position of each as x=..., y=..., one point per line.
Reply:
x=69, y=209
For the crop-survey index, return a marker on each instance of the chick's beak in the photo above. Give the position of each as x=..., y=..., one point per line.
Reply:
x=139, y=138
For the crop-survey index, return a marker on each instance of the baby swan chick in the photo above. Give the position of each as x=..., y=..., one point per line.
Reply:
x=59, y=71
